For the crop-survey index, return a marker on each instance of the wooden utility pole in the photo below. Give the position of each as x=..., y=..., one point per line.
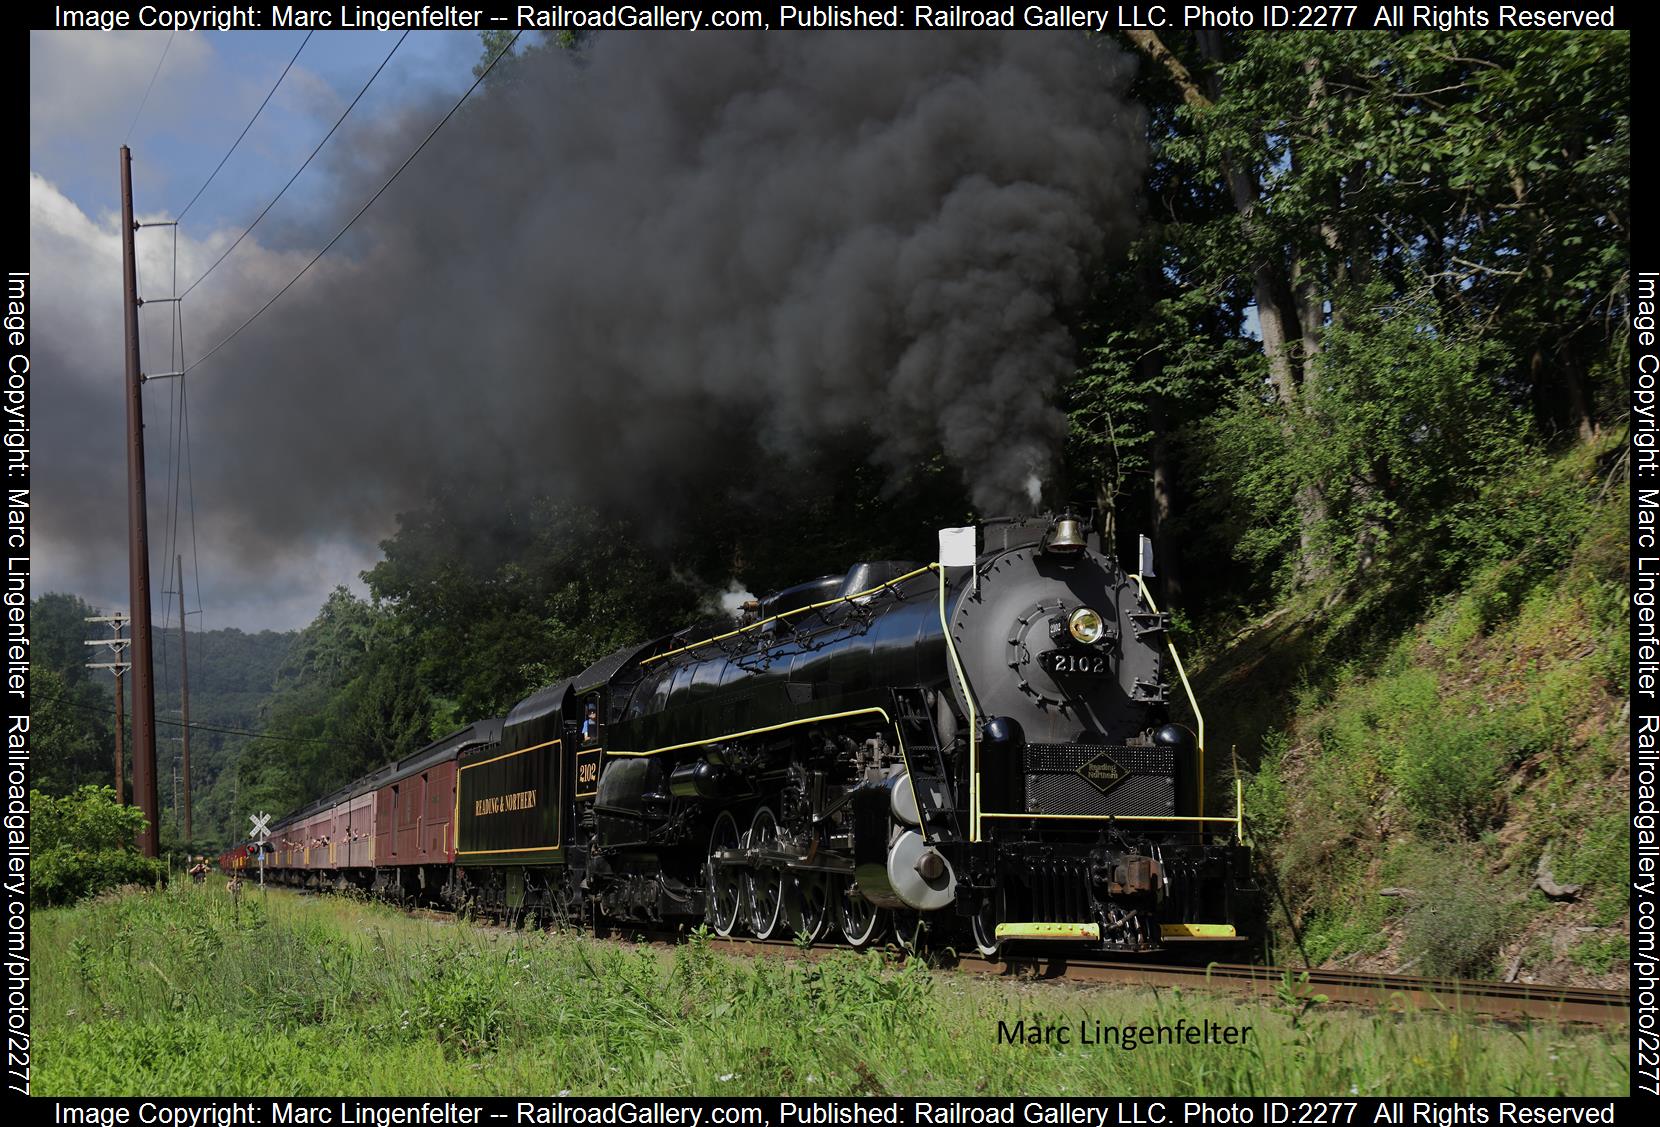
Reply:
x=184, y=701
x=138, y=537
x=117, y=623
x=120, y=737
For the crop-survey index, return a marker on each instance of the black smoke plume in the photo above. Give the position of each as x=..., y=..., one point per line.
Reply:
x=621, y=268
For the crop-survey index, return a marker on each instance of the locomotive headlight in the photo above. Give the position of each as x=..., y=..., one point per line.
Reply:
x=1086, y=626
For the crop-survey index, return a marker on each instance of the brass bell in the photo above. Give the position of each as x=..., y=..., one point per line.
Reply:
x=1066, y=535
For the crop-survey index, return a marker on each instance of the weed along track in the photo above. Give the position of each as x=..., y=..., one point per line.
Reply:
x=1508, y=1001
x=1505, y=1000
x=138, y=992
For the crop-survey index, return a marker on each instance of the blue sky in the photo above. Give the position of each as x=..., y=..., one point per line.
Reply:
x=85, y=88
x=208, y=87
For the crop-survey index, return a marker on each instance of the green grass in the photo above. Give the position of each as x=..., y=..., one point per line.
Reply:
x=181, y=993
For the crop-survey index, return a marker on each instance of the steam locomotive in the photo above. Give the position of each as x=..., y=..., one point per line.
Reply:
x=975, y=751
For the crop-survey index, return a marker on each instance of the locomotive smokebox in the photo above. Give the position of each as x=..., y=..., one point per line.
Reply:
x=1055, y=637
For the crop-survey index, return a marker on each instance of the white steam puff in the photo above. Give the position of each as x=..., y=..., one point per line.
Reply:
x=732, y=600
x=1034, y=490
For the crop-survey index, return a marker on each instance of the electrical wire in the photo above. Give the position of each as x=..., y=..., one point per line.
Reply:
x=143, y=335
x=180, y=464
x=180, y=437
x=244, y=133
x=142, y=101
x=193, y=727
x=190, y=479
x=173, y=502
x=167, y=525
x=175, y=358
x=341, y=234
x=170, y=493
x=302, y=168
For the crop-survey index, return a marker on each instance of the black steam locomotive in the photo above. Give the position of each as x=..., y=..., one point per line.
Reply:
x=977, y=751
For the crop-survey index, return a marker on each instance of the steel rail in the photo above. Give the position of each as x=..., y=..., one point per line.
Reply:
x=1393, y=992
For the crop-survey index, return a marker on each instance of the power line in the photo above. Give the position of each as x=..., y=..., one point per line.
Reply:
x=174, y=357
x=177, y=466
x=180, y=464
x=143, y=330
x=482, y=75
x=190, y=479
x=302, y=167
x=170, y=495
x=245, y=129
x=147, y=89
x=193, y=727
x=143, y=326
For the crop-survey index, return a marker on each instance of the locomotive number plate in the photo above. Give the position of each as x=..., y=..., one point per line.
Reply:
x=1103, y=772
x=1076, y=663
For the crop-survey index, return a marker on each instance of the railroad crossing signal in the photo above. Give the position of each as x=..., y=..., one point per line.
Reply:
x=260, y=834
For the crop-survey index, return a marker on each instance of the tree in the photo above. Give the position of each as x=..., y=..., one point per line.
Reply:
x=72, y=708
x=1479, y=180
x=347, y=700
x=81, y=844
x=500, y=598
x=71, y=741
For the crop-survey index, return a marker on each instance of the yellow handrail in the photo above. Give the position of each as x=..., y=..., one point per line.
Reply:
x=1187, y=688
x=1103, y=817
x=974, y=812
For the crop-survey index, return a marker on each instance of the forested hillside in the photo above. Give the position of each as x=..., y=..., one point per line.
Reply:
x=1360, y=377
x=231, y=674
x=1450, y=796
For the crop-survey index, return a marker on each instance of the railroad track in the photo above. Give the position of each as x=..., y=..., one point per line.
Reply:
x=1509, y=1001
x=1400, y=993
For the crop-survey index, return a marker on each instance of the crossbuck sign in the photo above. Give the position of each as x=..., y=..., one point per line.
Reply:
x=259, y=821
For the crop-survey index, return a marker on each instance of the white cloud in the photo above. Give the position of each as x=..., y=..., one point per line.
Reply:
x=78, y=418
x=86, y=86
